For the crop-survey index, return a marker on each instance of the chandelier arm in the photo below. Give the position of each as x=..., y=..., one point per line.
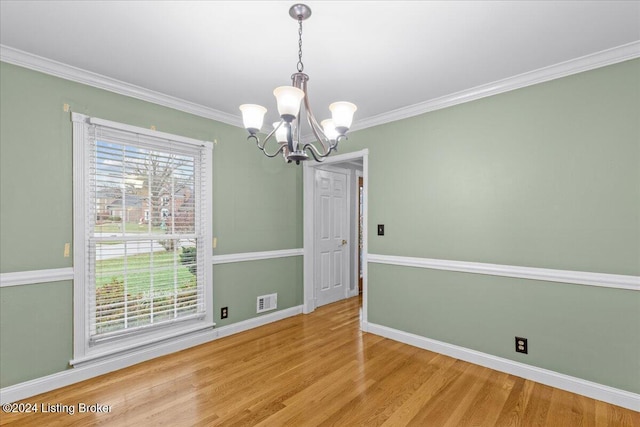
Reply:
x=269, y=135
x=264, y=143
x=314, y=152
x=319, y=157
x=315, y=127
x=274, y=154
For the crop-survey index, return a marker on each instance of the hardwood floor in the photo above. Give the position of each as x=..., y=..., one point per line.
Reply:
x=316, y=369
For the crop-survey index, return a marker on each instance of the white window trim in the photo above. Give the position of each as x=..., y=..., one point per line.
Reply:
x=83, y=353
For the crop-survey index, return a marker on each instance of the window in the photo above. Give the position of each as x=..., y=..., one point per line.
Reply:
x=142, y=266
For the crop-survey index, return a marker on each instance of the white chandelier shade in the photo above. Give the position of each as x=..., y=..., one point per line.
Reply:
x=342, y=114
x=252, y=116
x=329, y=129
x=281, y=132
x=290, y=101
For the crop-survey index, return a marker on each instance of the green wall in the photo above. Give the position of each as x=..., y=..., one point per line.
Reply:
x=257, y=206
x=582, y=331
x=36, y=330
x=546, y=176
x=246, y=280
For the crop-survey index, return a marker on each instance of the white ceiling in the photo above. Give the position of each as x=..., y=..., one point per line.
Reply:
x=382, y=55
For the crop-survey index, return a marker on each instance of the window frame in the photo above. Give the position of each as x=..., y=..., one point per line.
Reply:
x=84, y=351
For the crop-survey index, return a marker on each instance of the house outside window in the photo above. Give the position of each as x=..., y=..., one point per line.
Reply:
x=142, y=222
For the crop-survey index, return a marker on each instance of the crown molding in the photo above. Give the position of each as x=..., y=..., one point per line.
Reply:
x=585, y=63
x=68, y=72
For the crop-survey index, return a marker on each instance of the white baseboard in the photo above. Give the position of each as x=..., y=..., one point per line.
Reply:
x=61, y=379
x=590, y=389
x=554, y=379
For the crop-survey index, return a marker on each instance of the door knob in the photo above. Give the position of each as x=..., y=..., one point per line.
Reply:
x=344, y=242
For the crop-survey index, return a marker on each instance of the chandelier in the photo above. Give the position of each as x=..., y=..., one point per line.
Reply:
x=287, y=131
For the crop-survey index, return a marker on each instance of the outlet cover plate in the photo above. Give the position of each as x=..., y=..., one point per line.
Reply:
x=521, y=345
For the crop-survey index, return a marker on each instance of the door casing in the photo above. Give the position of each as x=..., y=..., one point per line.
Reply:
x=308, y=171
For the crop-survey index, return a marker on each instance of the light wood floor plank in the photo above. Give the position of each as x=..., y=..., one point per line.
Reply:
x=317, y=370
x=513, y=410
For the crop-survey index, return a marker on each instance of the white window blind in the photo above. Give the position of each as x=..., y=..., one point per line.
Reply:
x=145, y=232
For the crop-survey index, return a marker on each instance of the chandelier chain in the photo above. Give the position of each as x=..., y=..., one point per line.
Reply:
x=300, y=65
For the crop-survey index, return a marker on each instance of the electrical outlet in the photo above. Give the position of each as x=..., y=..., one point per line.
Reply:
x=521, y=345
x=224, y=312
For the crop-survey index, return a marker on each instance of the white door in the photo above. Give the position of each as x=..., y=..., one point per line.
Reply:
x=331, y=231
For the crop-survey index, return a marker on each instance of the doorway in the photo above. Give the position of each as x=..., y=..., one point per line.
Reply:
x=317, y=260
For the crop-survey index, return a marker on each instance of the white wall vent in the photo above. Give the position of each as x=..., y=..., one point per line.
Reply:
x=267, y=302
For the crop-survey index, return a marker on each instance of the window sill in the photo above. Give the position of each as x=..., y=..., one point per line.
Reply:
x=141, y=345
